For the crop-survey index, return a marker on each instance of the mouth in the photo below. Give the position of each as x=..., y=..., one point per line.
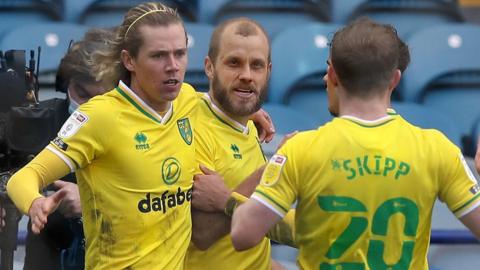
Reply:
x=243, y=92
x=171, y=82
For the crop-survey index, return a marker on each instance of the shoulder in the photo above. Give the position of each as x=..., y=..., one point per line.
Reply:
x=187, y=91
x=301, y=142
x=439, y=141
x=101, y=107
x=187, y=98
x=252, y=129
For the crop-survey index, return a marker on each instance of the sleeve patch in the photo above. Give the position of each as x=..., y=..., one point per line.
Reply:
x=60, y=143
x=475, y=189
x=73, y=124
x=272, y=171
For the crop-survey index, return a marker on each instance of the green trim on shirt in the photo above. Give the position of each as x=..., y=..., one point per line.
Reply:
x=272, y=200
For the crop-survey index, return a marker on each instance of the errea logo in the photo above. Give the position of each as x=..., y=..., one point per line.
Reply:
x=236, y=151
x=141, y=140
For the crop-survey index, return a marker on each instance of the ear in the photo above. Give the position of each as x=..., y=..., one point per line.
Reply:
x=127, y=60
x=332, y=75
x=208, y=68
x=397, y=75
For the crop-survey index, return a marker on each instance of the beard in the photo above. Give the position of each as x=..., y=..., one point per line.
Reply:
x=221, y=95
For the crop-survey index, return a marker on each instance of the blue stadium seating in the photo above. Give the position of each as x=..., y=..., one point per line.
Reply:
x=198, y=42
x=54, y=39
x=274, y=15
x=108, y=13
x=475, y=134
x=74, y=9
x=426, y=117
x=445, y=71
x=343, y=9
x=286, y=120
x=409, y=16
x=24, y=12
x=297, y=76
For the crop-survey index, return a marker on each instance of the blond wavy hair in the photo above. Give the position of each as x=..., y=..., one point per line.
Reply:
x=106, y=63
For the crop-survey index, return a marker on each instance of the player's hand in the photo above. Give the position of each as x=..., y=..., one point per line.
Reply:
x=3, y=214
x=70, y=205
x=477, y=157
x=264, y=124
x=286, y=138
x=210, y=193
x=42, y=207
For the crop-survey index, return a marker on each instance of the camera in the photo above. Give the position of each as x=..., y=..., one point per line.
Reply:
x=26, y=127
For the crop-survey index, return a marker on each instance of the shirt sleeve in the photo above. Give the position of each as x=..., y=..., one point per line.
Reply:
x=83, y=137
x=278, y=188
x=23, y=187
x=458, y=187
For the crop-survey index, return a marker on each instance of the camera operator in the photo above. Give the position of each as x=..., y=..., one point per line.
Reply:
x=59, y=245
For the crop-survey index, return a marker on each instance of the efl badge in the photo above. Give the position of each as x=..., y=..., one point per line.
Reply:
x=272, y=171
x=185, y=130
x=73, y=124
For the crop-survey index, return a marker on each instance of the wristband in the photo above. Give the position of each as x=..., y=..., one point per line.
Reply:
x=232, y=203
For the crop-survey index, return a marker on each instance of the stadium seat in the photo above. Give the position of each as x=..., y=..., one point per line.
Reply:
x=475, y=135
x=297, y=76
x=198, y=42
x=23, y=12
x=286, y=120
x=54, y=39
x=343, y=9
x=426, y=117
x=108, y=13
x=445, y=72
x=74, y=9
x=409, y=16
x=275, y=15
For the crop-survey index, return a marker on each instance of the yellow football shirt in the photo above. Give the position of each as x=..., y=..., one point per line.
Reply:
x=135, y=173
x=366, y=190
x=232, y=150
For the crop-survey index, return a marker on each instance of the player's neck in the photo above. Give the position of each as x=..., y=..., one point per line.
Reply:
x=364, y=109
x=160, y=107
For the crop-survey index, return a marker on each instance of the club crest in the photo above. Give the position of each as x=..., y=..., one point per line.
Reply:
x=185, y=130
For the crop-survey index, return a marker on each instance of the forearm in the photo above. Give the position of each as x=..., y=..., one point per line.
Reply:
x=23, y=187
x=250, y=223
x=247, y=187
x=284, y=231
x=208, y=227
x=472, y=222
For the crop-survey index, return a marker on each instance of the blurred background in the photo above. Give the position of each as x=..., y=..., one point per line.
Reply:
x=440, y=89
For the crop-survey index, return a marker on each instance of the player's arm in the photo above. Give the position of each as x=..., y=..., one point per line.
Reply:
x=250, y=223
x=284, y=231
x=210, y=197
x=472, y=221
x=23, y=187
